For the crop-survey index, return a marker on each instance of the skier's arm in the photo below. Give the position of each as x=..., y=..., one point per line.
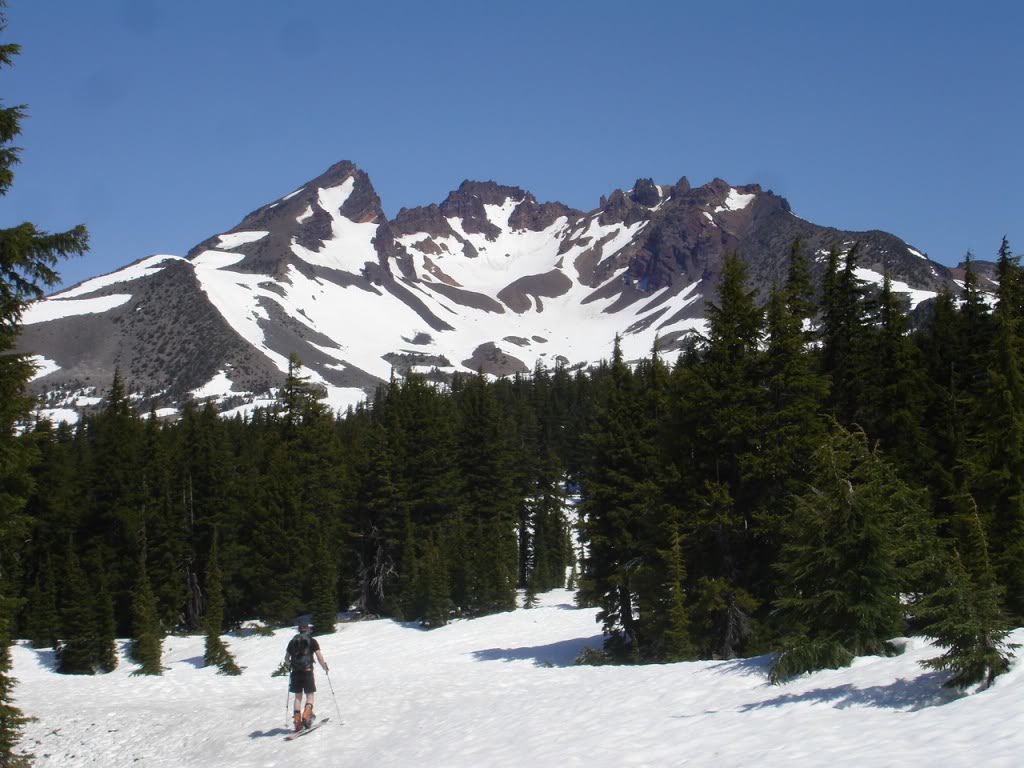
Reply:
x=320, y=658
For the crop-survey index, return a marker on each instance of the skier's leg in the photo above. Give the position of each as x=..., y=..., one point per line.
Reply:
x=307, y=712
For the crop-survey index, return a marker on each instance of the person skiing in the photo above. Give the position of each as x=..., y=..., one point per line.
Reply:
x=299, y=656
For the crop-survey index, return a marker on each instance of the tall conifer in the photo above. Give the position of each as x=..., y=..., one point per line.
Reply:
x=838, y=568
x=78, y=620
x=216, y=653
x=147, y=636
x=27, y=260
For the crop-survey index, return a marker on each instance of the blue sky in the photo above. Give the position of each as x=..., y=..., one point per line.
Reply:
x=158, y=124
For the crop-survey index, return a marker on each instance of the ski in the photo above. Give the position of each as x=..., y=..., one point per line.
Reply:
x=304, y=731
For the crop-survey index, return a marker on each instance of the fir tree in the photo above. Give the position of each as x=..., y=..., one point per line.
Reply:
x=839, y=569
x=617, y=490
x=487, y=496
x=962, y=609
x=891, y=402
x=795, y=394
x=1000, y=479
x=27, y=260
x=78, y=619
x=676, y=643
x=106, y=621
x=325, y=600
x=147, y=636
x=717, y=443
x=378, y=523
x=844, y=320
x=42, y=620
x=966, y=618
x=216, y=653
x=435, y=604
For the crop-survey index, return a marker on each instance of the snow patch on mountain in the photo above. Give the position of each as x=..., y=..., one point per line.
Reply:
x=141, y=268
x=735, y=201
x=58, y=308
x=351, y=245
x=218, y=386
x=232, y=240
x=916, y=296
x=43, y=366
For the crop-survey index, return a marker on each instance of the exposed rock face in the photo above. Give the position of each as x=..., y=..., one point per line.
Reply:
x=490, y=279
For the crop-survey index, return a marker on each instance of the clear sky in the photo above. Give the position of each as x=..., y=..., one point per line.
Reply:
x=158, y=124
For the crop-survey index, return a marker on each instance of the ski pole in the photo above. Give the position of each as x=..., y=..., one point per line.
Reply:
x=336, y=707
x=287, y=720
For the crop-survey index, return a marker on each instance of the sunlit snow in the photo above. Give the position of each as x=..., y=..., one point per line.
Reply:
x=735, y=201
x=218, y=386
x=43, y=366
x=351, y=246
x=916, y=295
x=141, y=268
x=235, y=239
x=56, y=308
x=502, y=692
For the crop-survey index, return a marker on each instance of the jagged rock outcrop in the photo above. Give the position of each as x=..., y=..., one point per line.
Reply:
x=489, y=279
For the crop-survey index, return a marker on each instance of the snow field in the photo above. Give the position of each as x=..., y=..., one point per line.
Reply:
x=501, y=691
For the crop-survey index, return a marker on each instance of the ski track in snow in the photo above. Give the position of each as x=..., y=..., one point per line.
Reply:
x=501, y=691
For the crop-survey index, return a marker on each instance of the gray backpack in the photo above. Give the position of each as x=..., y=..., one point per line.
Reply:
x=300, y=649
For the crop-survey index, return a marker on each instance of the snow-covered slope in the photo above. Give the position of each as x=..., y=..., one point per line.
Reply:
x=490, y=279
x=502, y=691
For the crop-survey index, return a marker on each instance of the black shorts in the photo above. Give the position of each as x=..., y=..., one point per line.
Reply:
x=302, y=682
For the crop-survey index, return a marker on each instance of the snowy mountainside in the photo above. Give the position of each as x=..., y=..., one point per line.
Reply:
x=490, y=279
x=502, y=691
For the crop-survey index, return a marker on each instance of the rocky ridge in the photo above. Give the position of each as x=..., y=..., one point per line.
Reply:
x=489, y=279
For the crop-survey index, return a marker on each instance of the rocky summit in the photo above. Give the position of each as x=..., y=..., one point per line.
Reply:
x=490, y=279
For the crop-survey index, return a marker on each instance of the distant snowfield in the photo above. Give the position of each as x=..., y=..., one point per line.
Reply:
x=502, y=691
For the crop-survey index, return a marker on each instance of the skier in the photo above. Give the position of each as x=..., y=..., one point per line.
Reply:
x=299, y=655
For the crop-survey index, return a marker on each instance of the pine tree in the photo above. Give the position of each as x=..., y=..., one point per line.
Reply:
x=487, y=496
x=78, y=620
x=795, y=396
x=891, y=402
x=106, y=621
x=216, y=653
x=998, y=477
x=839, y=566
x=676, y=643
x=844, y=320
x=166, y=523
x=377, y=519
x=617, y=491
x=147, y=636
x=944, y=352
x=436, y=605
x=963, y=612
x=717, y=443
x=27, y=260
x=42, y=620
x=325, y=600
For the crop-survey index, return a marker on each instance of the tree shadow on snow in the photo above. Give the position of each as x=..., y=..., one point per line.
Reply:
x=46, y=658
x=910, y=695
x=560, y=654
x=755, y=665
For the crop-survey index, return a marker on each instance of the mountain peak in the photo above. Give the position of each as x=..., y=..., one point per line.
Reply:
x=489, y=277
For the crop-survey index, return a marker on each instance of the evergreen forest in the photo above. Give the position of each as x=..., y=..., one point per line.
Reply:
x=808, y=477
